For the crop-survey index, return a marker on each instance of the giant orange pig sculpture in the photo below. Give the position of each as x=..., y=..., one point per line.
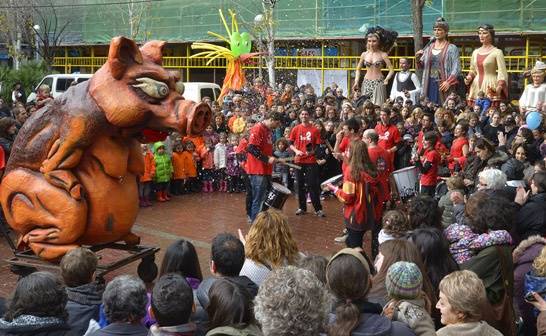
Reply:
x=71, y=177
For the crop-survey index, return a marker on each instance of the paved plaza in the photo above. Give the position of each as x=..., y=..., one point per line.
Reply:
x=199, y=217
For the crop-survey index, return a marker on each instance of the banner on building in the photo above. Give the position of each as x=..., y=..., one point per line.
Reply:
x=314, y=77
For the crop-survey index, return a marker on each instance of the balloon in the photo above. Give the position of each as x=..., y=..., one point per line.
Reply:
x=534, y=119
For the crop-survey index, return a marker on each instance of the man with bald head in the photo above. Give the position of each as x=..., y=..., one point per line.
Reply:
x=405, y=84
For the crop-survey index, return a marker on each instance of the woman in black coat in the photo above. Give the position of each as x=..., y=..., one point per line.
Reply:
x=486, y=157
x=37, y=308
x=531, y=216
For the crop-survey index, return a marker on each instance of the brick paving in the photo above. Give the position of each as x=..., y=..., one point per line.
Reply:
x=199, y=217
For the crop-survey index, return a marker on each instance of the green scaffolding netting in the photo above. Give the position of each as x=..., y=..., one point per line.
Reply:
x=97, y=21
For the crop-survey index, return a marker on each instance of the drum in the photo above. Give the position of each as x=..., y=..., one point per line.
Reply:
x=335, y=180
x=277, y=196
x=405, y=182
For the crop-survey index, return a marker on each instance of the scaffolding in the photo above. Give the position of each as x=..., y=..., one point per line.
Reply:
x=94, y=22
x=320, y=23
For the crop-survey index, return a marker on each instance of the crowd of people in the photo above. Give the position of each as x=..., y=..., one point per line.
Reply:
x=262, y=284
x=464, y=255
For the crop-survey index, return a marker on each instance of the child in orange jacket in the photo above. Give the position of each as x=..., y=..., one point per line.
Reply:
x=190, y=158
x=145, y=181
x=207, y=165
x=179, y=174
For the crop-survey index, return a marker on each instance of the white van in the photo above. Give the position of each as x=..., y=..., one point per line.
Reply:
x=58, y=84
x=197, y=90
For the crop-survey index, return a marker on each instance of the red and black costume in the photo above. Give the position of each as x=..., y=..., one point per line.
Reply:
x=361, y=206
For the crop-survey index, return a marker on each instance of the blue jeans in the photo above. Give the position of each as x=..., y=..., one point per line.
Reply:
x=259, y=184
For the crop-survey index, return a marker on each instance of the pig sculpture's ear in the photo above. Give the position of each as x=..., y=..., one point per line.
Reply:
x=154, y=51
x=123, y=52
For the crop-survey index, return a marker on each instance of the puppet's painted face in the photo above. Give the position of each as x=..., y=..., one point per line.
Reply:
x=240, y=44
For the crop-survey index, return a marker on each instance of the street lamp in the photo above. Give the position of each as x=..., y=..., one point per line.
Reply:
x=36, y=42
x=270, y=3
x=258, y=23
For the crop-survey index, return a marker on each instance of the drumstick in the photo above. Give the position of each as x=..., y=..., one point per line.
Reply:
x=329, y=146
x=291, y=165
x=288, y=159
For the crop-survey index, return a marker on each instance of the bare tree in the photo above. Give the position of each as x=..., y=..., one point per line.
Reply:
x=262, y=30
x=13, y=19
x=268, y=8
x=133, y=16
x=417, y=20
x=34, y=23
x=48, y=29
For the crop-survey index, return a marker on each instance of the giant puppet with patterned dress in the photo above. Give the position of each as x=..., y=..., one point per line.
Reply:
x=440, y=63
x=487, y=69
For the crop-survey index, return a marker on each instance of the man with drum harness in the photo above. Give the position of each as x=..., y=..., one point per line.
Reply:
x=427, y=161
x=349, y=132
x=304, y=139
x=260, y=160
x=389, y=137
x=427, y=125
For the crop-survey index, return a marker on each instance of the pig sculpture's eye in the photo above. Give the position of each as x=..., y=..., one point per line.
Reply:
x=152, y=88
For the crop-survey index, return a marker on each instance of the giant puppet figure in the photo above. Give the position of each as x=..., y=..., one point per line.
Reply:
x=441, y=64
x=71, y=176
x=379, y=42
x=487, y=69
x=237, y=54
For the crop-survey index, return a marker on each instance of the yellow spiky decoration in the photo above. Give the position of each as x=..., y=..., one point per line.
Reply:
x=238, y=52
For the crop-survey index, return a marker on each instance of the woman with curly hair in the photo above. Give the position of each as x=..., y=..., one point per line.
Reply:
x=395, y=226
x=292, y=302
x=379, y=41
x=37, y=307
x=423, y=211
x=268, y=245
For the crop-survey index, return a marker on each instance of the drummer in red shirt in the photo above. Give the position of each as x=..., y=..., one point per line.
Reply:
x=389, y=137
x=259, y=164
x=304, y=139
x=241, y=153
x=427, y=126
x=349, y=132
x=427, y=162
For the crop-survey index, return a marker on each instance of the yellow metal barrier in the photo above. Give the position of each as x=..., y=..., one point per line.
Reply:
x=514, y=64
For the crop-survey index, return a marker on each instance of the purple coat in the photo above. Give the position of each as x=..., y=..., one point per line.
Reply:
x=233, y=167
x=523, y=257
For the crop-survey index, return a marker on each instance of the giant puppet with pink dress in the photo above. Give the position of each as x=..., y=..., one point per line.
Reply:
x=487, y=69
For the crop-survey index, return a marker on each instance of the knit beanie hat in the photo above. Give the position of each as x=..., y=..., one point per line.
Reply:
x=404, y=280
